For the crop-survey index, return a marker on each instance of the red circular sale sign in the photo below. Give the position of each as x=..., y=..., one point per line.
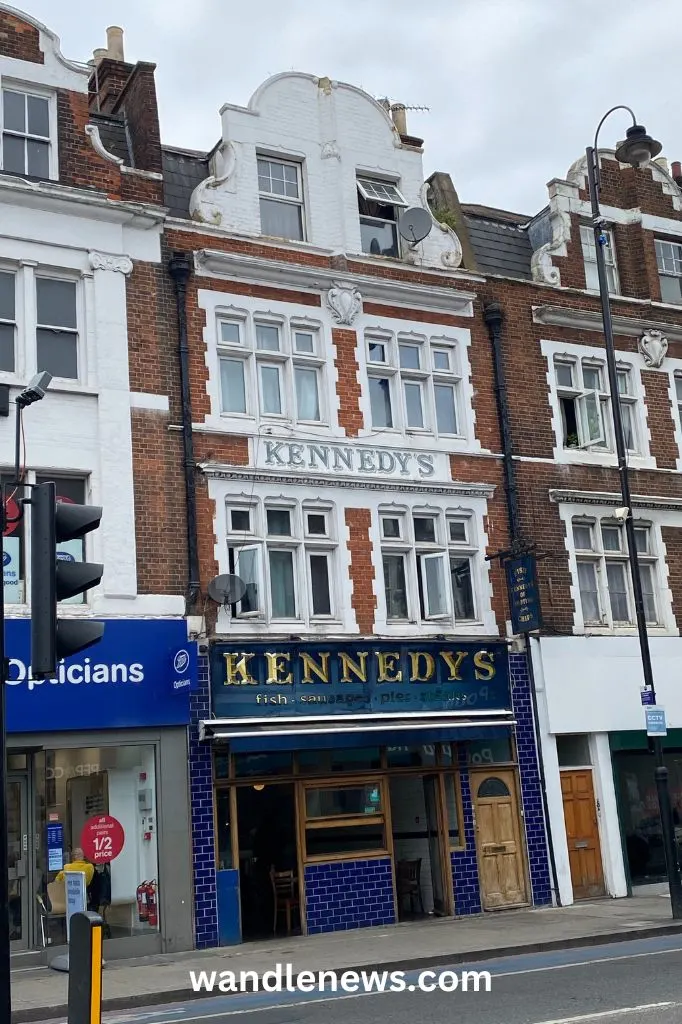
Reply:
x=102, y=839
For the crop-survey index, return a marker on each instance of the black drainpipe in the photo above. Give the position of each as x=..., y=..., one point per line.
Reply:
x=494, y=318
x=180, y=268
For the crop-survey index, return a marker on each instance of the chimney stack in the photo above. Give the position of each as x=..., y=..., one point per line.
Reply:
x=399, y=118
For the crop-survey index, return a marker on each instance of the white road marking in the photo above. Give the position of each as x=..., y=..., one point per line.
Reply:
x=580, y=963
x=610, y=1013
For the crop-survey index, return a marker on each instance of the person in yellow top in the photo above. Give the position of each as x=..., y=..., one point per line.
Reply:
x=78, y=863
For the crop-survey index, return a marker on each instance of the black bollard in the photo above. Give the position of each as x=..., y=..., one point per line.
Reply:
x=85, y=969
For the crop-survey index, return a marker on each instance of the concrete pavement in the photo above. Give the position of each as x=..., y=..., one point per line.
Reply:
x=39, y=993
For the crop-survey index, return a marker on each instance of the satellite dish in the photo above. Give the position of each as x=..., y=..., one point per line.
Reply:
x=415, y=224
x=226, y=589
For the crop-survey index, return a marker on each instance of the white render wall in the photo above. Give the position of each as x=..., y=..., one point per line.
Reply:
x=591, y=685
x=83, y=427
x=336, y=132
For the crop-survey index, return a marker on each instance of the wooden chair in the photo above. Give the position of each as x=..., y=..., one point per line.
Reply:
x=285, y=895
x=56, y=894
x=408, y=881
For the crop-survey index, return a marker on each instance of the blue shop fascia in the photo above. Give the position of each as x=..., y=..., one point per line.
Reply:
x=107, y=738
x=363, y=783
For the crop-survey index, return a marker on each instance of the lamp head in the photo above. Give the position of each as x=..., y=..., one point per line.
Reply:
x=639, y=148
x=35, y=391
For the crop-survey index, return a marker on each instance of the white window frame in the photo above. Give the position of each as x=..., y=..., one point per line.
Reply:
x=586, y=400
x=48, y=274
x=287, y=200
x=29, y=89
x=419, y=554
x=300, y=543
x=427, y=377
x=288, y=359
x=367, y=186
x=600, y=558
x=669, y=263
x=590, y=258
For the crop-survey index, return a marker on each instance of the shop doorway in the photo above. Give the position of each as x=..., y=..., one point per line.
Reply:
x=423, y=883
x=498, y=834
x=582, y=834
x=19, y=850
x=269, y=887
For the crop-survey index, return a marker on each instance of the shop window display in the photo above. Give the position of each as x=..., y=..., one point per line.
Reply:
x=75, y=787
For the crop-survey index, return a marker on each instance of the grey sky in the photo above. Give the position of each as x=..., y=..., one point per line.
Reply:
x=515, y=87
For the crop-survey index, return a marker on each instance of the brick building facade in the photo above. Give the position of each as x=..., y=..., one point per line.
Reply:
x=81, y=217
x=542, y=272
x=340, y=410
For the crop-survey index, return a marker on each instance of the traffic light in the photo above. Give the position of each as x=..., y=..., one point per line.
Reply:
x=54, y=578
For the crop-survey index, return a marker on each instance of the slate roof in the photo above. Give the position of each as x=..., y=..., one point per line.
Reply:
x=500, y=241
x=183, y=170
x=112, y=132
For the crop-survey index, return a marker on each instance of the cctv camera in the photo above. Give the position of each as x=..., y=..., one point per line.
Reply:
x=622, y=513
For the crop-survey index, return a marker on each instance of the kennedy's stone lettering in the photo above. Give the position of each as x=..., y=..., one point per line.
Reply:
x=347, y=459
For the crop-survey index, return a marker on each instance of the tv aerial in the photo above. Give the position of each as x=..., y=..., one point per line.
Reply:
x=415, y=224
x=226, y=589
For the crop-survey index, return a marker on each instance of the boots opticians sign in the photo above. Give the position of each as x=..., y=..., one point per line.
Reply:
x=140, y=674
x=266, y=680
x=350, y=460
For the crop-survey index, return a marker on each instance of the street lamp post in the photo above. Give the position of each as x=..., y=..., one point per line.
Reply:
x=33, y=393
x=637, y=150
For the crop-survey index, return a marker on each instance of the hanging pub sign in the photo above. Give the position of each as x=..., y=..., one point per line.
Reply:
x=524, y=597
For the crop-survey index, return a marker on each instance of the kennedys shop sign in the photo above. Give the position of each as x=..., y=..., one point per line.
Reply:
x=273, y=679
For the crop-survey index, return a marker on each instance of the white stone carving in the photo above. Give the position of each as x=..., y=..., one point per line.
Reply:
x=92, y=131
x=210, y=198
x=345, y=302
x=104, y=261
x=561, y=193
x=653, y=345
x=441, y=247
x=330, y=151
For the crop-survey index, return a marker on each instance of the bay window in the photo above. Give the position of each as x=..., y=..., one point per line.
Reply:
x=271, y=369
x=604, y=579
x=584, y=404
x=414, y=384
x=284, y=553
x=428, y=564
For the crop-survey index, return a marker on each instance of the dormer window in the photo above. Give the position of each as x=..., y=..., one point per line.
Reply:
x=379, y=204
x=281, y=198
x=25, y=133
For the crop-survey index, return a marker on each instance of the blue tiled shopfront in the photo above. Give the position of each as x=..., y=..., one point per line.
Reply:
x=339, y=786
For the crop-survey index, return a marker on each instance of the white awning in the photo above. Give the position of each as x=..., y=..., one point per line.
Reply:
x=324, y=725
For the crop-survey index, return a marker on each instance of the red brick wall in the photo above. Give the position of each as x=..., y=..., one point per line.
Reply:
x=79, y=164
x=348, y=389
x=660, y=419
x=363, y=601
x=19, y=39
x=533, y=437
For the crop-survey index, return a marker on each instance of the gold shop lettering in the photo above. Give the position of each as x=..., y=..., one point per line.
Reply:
x=282, y=667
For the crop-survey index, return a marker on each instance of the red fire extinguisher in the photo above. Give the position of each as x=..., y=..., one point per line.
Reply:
x=152, y=904
x=142, y=901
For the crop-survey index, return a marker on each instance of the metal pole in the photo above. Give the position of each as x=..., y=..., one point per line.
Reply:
x=665, y=807
x=5, y=992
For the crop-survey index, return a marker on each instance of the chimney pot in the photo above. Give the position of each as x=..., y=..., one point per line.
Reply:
x=99, y=54
x=677, y=169
x=115, y=43
x=399, y=118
